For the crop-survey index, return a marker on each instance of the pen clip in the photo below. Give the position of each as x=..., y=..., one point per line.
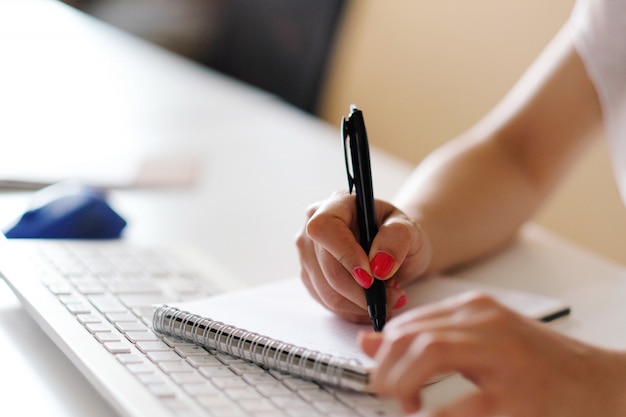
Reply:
x=345, y=136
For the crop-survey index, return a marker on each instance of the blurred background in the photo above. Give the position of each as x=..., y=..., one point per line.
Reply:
x=422, y=71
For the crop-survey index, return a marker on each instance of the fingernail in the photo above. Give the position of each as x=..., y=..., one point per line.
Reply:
x=400, y=303
x=381, y=264
x=361, y=276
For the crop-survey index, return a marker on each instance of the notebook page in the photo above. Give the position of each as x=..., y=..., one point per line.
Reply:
x=532, y=305
x=284, y=311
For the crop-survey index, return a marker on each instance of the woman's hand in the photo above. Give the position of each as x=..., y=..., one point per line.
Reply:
x=335, y=269
x=520, y=366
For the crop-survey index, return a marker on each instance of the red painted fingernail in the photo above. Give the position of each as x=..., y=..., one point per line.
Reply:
x=381, y=264
x=400, y=303
x=361, y=276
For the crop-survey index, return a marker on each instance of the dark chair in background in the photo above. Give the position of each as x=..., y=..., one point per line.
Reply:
x=282, y=46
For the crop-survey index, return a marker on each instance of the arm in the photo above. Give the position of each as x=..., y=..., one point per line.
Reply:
x=466, y=199
x=472, y=195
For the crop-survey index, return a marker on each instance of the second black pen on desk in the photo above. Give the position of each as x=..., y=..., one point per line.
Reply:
x=358, y=167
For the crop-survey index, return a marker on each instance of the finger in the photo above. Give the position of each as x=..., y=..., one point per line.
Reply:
x=314, y=280
x=369, y=342
x=411, y=405
x=409, y=362
x=326, y=278
x=463, y=323
x=306, y=280
x=332, y=227
x=339, y=280
x=400, y=249
x=308, y=261
x=473, y=405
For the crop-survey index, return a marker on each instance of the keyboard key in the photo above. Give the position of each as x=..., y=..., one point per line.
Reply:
x=162, y=390
x=215, y=372
x=60, y=288
x=222, y=405
x=151, y=378
x=90, y=288
x=297, y=384
x=107, y=304
x=108, y=337
x=227, y=359
x=229, y=382
x=289, y=401
x=174, y=367
x=330, y=407
x=120, y=317
x=203, y=360
x=88, y=318
x=377, y=410
x=135, y=337
x=152, y=346
x=125, y=357
x=163, y=357
x=313, y=396
x=248, y=400
x=191, y=350
x=205, y=390
x=98, y=327
x=78, y=308
x=241, y=368
x=131, y=326
x=139, y=287
x=173, y=342
x=261, y=379
x=303, y=412
x=139, y=368
x=144, y=299
x=188, y=378
x=270, y=390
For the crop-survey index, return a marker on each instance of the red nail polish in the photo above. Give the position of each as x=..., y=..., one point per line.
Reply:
x=381, y=264
x=361, y=276
x=400, y=303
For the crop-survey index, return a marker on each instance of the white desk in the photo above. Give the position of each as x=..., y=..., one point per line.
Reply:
x=70, y=86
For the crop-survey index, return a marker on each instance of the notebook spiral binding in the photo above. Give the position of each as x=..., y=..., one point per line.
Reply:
x=270, y=353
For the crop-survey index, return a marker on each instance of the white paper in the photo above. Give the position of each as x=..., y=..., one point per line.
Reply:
x=284, y=311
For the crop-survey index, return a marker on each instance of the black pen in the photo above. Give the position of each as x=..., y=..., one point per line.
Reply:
x=357, y=155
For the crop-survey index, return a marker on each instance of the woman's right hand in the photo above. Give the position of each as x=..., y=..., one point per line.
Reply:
x=334, y=267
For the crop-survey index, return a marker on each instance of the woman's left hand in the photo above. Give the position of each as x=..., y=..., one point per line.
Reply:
x=521, y=367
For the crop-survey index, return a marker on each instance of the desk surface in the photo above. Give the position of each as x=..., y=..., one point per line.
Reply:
x=72, y=86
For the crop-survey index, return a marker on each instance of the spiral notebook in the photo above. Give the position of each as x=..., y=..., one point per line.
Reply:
x=279, y=326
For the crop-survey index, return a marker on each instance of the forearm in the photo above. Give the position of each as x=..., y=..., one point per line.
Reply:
x=471, y=196
x=469, y=201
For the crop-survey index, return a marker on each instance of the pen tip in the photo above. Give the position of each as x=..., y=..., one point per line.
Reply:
x=378, y=324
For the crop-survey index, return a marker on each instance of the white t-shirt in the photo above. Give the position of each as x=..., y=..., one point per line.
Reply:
x=600, y=39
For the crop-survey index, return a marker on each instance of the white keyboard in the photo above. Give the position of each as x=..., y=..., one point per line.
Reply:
x=94, y=299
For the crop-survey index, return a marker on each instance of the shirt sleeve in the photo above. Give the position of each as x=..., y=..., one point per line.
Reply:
x=599, y=34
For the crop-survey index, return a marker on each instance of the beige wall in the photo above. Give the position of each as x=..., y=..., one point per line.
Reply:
x=424, y=70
